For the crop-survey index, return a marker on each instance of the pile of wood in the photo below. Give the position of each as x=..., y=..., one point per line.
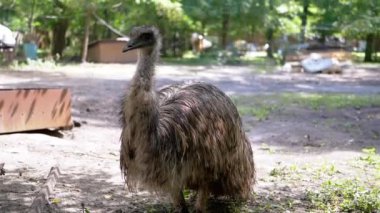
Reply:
x=294, y=60
x=340, y=55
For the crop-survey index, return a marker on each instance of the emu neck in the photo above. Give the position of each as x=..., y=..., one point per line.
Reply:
x=143, y=78
x=141, y=104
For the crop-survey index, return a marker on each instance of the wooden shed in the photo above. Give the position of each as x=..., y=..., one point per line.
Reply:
x=110, y=51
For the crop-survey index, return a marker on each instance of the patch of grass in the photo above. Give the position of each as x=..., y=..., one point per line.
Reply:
x=278, y=172
x=268, y=148
x=330, y=101
x=286, y=173
x=326, y=169
x=359, y=57
x=199, y=61
x=261, y=63
x=260, y=112
x=346, y=195
x=371, y=158
x=257, y=106
x=333, y=191
x=261, y=106
x=350, y=195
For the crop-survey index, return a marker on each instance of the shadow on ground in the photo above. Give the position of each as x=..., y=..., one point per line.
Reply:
x=17, y=191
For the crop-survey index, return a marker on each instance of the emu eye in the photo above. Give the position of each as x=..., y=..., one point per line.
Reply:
x=146, y=36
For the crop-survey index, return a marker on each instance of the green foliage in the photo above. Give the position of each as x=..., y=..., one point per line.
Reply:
x=45, y=18
x=228, y=20
x=371, y=158
x=328, y=14
x=259, y=63
x=260, y=112
x=364, y=17
x=346, y=196
x=351, y=195
x=359, y=57
x=254, y=106
x=278, y=172
x=331, y=101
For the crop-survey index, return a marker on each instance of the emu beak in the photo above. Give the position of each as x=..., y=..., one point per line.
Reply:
x=129, y=46
x=133, y=44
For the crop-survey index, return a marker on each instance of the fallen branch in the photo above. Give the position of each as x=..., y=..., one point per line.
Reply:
x=2, y=170
x=102, y=21
x=42, y=198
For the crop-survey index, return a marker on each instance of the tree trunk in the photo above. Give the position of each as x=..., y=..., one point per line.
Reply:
x=376, y=46
x=203, y=27
x=269, y=37
x=86, y=36
x=59, y=37
x=31, y=16
x=304, y=19
x=369, y=48
x=225, y=25
x=269, y=33
x=59, y=31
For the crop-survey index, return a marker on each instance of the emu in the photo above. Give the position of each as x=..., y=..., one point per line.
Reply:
x=185, y=136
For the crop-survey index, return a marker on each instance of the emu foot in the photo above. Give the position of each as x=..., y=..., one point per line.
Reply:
x=179, y=202
x=181, y=209
x=201, y=202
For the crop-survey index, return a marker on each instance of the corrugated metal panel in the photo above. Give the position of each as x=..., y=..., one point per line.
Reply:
x=37, y=108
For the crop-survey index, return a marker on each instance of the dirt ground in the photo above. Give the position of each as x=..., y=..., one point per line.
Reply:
x=88, y=155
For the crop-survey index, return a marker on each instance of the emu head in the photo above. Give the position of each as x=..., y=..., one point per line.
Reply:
x=144, y=37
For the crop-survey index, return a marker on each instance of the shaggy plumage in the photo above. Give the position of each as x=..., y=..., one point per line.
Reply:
x=183, y=136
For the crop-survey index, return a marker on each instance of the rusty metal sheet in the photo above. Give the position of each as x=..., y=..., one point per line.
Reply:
x=32, y=109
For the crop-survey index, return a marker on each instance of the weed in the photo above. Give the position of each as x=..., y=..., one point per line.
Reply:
x=371, y=158
x=266, y=147
x=278, y=172
x=346, y=195
x=350, y=195
x=326, y=169
x=187, y=193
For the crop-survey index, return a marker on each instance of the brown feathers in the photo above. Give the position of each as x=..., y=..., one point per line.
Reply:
x=184, y=136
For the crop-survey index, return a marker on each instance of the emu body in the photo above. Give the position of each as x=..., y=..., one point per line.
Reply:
x=183, y=136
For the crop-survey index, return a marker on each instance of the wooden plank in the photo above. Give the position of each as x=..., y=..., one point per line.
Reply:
x=32, y=109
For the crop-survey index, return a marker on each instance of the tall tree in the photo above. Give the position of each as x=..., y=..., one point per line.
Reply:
x=304, y=16
x=328, y=15
x=223, y=18
x=362, y=22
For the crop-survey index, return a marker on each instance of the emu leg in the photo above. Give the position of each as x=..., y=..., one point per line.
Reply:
x=201, y=202
x=179, y=202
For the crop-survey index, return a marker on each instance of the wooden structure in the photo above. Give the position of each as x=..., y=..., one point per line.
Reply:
x=32, y=109
x=110, y=51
